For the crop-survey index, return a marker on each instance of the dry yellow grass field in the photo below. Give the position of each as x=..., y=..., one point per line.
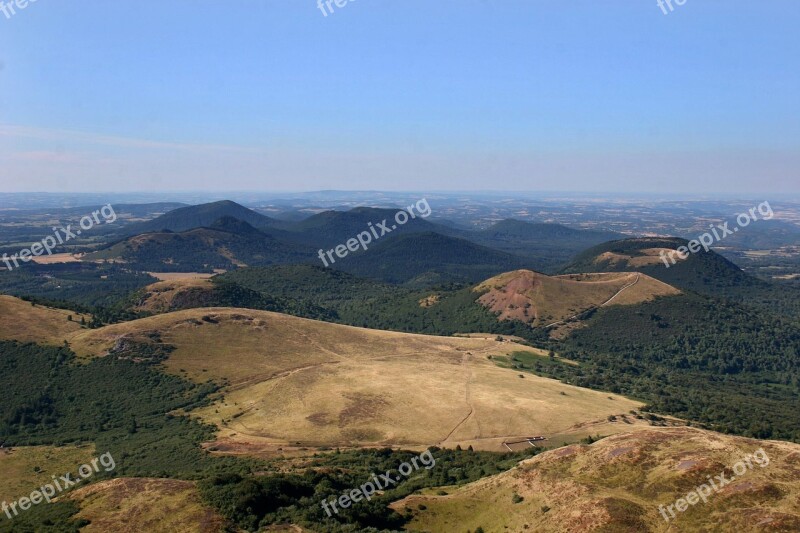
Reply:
x=542, y=300
x=618, y=483
x=142, y=504
x=57, y=258
x=25, y=469
x=292, y=380
x=21, y=321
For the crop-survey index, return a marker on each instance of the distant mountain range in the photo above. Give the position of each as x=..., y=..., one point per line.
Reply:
x=438, y=253
x=549, y=245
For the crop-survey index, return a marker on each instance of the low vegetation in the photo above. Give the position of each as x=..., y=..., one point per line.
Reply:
x=618, y=483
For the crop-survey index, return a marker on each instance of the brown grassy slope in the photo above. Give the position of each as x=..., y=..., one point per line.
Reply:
x=142, y=504
x=637, y=289
x=644, y=257
x=541, y=300
x=21, y=321
x=161, y=297
x=618, y=483
x=296, y=380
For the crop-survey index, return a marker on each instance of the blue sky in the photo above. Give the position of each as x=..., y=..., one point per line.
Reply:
x=401, y=95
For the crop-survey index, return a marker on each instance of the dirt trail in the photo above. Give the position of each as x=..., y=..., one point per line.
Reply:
x=315, y=343
x=260, y=378
x=634, y=282
x=465, y=361
x=631, y=284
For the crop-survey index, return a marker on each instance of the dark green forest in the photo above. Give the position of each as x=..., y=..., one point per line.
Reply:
x=728, y=367
x=253, y=502
x=87, y=285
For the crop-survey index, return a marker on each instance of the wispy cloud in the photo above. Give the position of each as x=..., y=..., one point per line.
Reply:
x=49, y=156
x=54, y=159
x=71, y=136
